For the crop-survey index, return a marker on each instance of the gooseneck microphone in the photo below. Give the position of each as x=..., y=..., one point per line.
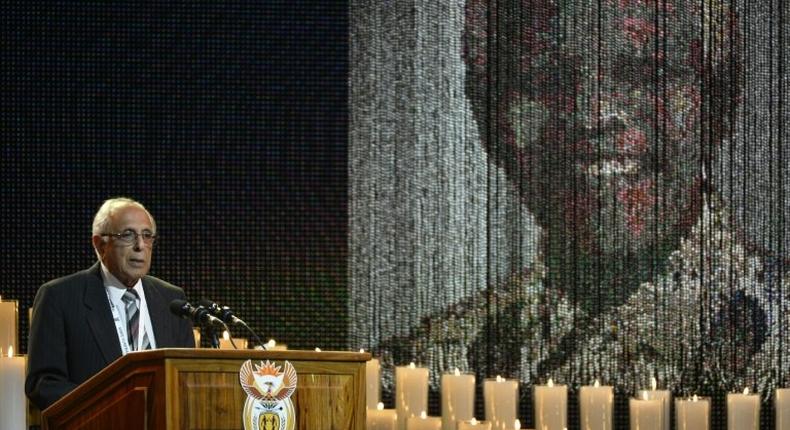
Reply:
x=226, y=315
x=198, y=315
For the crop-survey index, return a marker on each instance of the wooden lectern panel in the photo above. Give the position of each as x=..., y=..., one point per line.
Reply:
x=209, y=395
x=128, y=400
x=116, y=412
x=325, y=393
x=193, y=389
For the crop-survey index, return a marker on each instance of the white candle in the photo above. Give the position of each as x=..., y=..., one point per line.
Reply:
x=272, y=345
x=645, y=414
x=692, y=413
x=474, y=424
x=9, y=321
x=595, y=407
x=382, y=419
x=664, y=396
x=224, y=342
x=551, y=406
x=743, y=411
x=411, y=392
x=13, y=404
x=196, y=333
x=782, y=406
x=424, y=422
x=458, y=398
x=372, y=382
x=501, y=402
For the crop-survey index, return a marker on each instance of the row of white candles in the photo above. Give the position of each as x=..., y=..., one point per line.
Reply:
x=648, y=410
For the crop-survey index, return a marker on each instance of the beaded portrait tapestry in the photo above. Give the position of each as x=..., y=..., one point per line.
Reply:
x=573, y=190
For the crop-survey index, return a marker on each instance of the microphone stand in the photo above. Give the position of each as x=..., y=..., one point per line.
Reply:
x=257, y=339
x=212, y=335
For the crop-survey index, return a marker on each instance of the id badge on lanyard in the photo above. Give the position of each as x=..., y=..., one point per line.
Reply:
x=119, y=326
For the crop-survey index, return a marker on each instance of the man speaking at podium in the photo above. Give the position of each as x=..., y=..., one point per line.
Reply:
x=83, y=322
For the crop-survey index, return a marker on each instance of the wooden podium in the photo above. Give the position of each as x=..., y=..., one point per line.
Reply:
x=199, y=389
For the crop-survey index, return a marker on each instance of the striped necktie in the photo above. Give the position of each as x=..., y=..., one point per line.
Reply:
x=130, y=298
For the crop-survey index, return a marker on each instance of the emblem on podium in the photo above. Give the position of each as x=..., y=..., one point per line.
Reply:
x=269, y=389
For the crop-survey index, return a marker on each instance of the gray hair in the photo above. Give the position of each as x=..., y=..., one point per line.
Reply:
x=108, y=208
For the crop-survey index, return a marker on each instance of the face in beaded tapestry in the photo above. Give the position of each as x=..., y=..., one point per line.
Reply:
x=607, y=117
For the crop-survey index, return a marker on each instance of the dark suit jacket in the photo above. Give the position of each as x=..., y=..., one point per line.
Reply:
x=73, y=337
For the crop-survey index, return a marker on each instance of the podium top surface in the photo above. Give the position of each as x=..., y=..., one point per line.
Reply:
x=207, y=353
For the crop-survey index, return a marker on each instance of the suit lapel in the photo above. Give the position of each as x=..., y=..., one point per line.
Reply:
x=99, y=315
x=157, y=311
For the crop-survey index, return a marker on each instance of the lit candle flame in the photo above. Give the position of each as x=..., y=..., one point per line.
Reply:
x=423, y=415
x=271, y=344
x=694, y=398
x=596, y=384
x=225, y=335
x=411, y=365
x=10, y=351
x=317, y=349
x=473, y=421
x=746, y=391
x=499, y=378
x=517, y=425
x=457, y=372
x=653, y=383
x=361, y=350
x=380, y=406
x=550, y=383
x=644, y=395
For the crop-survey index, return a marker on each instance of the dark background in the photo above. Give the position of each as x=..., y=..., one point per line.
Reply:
x=227, y=119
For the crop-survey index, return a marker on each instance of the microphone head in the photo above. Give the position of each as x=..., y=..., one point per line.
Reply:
x=226, y=315
x=222, y=312
x=208, y=304
x=180, y=308
x=200, y=314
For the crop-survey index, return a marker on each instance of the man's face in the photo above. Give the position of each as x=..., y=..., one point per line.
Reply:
x=601, y=111
x=126, y=261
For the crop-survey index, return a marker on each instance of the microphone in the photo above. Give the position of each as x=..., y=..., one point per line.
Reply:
x=224, y=314
x=198, y=315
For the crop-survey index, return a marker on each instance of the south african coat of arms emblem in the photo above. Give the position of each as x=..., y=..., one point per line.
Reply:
x=269, y=389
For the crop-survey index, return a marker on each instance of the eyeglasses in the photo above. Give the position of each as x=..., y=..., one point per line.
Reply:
x=129, y=237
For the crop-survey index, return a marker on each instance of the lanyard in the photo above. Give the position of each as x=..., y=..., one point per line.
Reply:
x=119, y=326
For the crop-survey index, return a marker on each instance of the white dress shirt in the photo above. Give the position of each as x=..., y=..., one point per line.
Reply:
x=115, y=290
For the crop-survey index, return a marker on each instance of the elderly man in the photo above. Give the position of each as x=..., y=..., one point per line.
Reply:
x=83, y=322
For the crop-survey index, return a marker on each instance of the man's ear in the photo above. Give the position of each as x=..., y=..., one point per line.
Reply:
x=98, y=244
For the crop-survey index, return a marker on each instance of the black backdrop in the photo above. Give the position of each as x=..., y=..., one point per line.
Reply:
x=227, y=119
